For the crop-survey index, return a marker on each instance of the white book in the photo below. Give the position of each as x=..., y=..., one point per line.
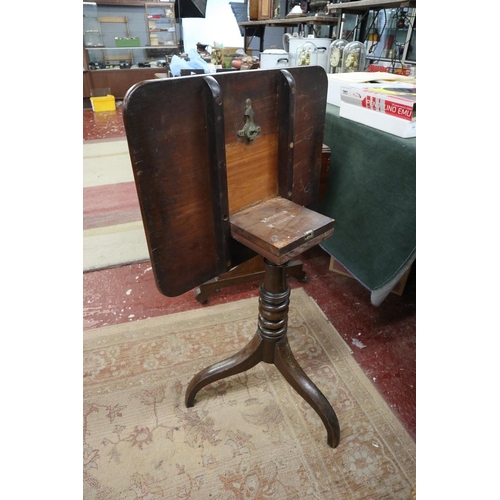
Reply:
x=387, y=123
x=361, y=79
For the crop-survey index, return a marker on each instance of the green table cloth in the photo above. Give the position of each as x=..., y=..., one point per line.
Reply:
x=371, y=194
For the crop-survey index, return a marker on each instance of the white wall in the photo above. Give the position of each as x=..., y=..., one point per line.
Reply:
x=219, y=25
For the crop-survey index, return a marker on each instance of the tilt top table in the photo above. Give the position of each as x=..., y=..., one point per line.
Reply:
x=227, y=167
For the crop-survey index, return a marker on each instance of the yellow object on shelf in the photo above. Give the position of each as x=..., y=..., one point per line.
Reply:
x=105, y=103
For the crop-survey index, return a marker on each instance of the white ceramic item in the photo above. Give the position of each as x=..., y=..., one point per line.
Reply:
x=274, y=58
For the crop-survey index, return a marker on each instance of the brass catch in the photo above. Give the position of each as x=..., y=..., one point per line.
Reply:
x=308, y=235
x=249, y=130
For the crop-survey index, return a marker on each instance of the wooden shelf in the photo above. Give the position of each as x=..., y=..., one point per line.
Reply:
x=257, y=28
x=134, y=48
x=361, y=6
x=292, y=23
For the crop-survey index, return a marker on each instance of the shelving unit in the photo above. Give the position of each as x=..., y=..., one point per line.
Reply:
x=92, y=36
x=396, y=21
x=121, y=56
x=118, y=68
x=395, y=40
x=162, y=30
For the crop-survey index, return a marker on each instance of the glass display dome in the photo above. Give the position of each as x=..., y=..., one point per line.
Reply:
x=306, y=54
x=336, y=55
x=354, y=57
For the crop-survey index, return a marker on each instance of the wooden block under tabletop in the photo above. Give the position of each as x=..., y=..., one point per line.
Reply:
x=280, y=229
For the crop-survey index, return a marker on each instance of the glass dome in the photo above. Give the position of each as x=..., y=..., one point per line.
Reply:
x=336, y=55
x=354, y=57
x=306, y=54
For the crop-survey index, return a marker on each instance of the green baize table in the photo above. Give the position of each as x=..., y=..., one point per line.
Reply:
x=371, y=194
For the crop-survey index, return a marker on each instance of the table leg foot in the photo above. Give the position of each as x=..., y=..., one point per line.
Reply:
x=243, y=360
x=288, y=366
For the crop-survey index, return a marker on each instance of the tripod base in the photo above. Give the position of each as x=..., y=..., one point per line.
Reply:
x=270, y=344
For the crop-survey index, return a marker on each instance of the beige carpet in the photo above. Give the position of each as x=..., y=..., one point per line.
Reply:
x=107, y=164
x=249, y=436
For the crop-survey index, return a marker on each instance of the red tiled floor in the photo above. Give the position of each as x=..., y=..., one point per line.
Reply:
x=128, y=293
x=104, y=124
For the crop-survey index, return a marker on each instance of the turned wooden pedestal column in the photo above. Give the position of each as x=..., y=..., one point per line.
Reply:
x=270, y=344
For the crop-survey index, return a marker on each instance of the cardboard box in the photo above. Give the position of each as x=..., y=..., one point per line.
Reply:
x=105, y=103
x=333, y=92
x=396, y=68
x=228, y=53
x=390, y=98
x=359, y=79
x=387, y=123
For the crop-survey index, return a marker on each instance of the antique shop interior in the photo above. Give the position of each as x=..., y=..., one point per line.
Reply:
x=360, y=275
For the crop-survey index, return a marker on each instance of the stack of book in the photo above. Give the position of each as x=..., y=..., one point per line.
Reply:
x=390, y=106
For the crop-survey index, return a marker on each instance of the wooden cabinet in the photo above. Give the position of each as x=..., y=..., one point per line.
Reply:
x=87, y=81
x=260, y=10
x=87, y=84
x=161, y=25
x=120, y=80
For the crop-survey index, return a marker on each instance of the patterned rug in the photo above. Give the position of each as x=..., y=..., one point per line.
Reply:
x=249, y=436
x=113, y=233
